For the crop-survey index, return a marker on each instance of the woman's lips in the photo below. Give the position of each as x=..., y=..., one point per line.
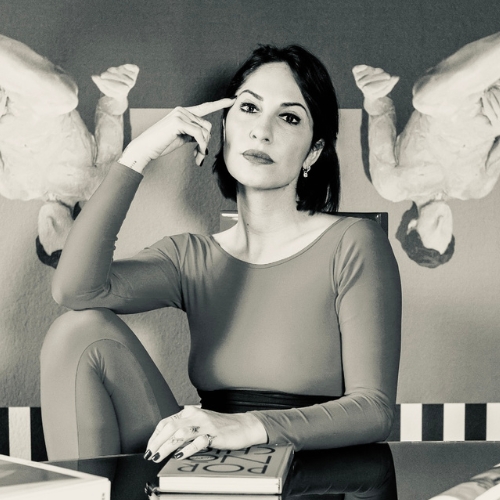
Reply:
x=256, y=156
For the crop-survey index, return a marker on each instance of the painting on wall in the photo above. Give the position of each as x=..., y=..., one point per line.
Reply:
x=47, y=152
x=448, y=149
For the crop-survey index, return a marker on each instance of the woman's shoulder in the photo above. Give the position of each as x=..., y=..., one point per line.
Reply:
x=363, y=240
x=362, y=227
x=347, y=228
x=188, y=252
x=183, y=243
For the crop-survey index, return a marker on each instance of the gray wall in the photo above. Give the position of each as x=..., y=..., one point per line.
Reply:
x=186, y=50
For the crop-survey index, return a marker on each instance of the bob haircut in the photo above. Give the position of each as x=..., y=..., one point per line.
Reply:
x=320, y=190
x=413, y=246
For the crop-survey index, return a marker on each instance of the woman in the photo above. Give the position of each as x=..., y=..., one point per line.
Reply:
x=294, y=312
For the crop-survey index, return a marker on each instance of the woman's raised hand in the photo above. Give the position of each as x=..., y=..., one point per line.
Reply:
x=193, y=429
x=181, y=125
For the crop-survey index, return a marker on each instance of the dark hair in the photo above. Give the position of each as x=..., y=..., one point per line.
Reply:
x=415, y=249
x=320, y=191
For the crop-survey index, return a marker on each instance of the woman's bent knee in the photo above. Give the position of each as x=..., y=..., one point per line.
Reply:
x=74, y=328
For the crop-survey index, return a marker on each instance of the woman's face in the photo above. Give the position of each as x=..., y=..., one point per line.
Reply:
x=268, y=130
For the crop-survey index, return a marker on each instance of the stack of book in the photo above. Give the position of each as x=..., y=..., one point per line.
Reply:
x=258, y=470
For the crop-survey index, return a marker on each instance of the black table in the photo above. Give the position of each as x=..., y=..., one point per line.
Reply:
x=404, y=471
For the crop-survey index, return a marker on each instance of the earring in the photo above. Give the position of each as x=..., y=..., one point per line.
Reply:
x=306, y=171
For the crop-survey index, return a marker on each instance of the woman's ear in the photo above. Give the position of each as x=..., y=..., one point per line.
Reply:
x=319, y=144
x=314, y=153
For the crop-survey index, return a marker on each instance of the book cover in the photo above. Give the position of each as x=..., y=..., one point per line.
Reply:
x=260, y=469
x=26, y=480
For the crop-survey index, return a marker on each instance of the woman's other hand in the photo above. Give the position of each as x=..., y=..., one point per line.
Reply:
x=181, y=125
x=194, y=429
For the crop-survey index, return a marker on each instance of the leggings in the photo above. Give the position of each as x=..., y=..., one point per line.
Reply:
x=101, y=392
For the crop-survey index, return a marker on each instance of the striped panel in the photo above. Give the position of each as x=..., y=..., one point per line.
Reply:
x=21, y=432
x=447, y=422
x=38, y=450
x=432, y=422
x=493, y=422
x=454, y=422
x=475, y=422
x=411, y=422
x=4, y=431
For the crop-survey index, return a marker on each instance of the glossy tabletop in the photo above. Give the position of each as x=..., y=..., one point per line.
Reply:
x=404, y=471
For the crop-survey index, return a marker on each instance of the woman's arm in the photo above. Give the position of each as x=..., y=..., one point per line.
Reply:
x=86, y=276
x=369, y=312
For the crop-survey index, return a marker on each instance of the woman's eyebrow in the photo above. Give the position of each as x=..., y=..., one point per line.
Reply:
x=283, y=105
x=287, y=104
x=257, y=96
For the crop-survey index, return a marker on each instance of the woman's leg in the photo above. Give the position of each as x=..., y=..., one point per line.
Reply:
x=101, y=392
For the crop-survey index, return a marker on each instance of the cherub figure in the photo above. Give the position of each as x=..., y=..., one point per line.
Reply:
x=448, y=149
x=46, y=151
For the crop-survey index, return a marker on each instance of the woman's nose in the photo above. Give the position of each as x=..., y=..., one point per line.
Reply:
x=262, y=129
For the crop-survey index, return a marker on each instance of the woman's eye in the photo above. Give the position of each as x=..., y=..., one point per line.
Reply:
x=291, y=118
x=248, y=107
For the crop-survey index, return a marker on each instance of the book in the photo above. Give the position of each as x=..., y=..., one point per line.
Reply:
x=483, y=486
x=259, y=469
x=26, y=480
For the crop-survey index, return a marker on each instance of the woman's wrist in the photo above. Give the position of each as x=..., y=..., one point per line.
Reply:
x=258, y=433
x=133, y=160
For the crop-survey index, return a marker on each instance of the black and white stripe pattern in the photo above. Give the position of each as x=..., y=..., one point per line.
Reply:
x=21, y=433
x=446, y=422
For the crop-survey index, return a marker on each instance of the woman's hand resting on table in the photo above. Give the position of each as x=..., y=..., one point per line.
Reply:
x=180, y=126
x=194, y=429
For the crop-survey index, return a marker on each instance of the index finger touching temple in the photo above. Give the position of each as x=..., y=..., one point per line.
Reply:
x=210, y=107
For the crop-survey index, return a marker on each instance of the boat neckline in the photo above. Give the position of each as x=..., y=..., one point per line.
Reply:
x=280, y=261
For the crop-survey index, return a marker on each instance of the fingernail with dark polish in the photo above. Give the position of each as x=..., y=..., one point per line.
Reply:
x=179, y=455
x=201, y=164
x=147, y=454
x=206, y=151
x=156, y=457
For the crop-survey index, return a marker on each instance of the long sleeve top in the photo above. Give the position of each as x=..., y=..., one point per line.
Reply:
x=324, y=321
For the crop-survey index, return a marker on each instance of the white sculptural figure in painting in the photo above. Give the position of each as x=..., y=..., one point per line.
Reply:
x=448, y=149
x=46, y=151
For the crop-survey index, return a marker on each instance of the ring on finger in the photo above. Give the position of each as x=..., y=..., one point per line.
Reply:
x=210, y=439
